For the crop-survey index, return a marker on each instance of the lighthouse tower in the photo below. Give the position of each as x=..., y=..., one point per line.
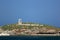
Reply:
x=19, y=21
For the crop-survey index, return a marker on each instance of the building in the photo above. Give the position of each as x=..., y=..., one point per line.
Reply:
x=20, y=23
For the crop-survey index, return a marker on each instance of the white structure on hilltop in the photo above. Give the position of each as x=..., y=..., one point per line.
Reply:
x=27, y=24
x=19, y=21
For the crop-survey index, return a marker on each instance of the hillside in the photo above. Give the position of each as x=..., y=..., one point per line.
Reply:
x=29, y=28
x=15, y=26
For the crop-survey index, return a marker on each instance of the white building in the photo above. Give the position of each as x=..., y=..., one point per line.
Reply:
x=19, y=21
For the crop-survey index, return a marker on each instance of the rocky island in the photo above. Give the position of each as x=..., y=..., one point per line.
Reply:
x=28, y=28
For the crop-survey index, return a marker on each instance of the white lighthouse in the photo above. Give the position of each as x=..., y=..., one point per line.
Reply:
x=19, y=21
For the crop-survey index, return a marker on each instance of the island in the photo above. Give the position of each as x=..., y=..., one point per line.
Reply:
x=28, y=28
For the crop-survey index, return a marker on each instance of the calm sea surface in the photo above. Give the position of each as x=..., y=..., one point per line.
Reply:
x=29, y=37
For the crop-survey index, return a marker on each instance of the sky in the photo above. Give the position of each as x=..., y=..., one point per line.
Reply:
x=37, y=11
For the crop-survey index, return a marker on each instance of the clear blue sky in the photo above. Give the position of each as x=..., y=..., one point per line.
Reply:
x=40, y=11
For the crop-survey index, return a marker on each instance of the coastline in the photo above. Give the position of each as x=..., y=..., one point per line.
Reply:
x=37, y=35
x=45, y=34
x=34, y=35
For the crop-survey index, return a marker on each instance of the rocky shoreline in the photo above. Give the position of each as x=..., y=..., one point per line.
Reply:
x=29, y=29
x=36, y=35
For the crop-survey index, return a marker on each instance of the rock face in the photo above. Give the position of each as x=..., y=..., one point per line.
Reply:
x=45, y=30
x=51, y=31
x=1, y=30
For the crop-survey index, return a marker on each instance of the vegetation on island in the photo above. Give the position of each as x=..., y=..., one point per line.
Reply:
x=15, y=26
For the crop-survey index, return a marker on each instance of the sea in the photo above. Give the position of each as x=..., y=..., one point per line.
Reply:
x=29, y=37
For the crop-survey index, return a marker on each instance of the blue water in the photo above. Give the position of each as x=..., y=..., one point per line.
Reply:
x=29, y=37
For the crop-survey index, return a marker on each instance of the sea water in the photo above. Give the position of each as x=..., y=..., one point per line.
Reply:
x=29, y=37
